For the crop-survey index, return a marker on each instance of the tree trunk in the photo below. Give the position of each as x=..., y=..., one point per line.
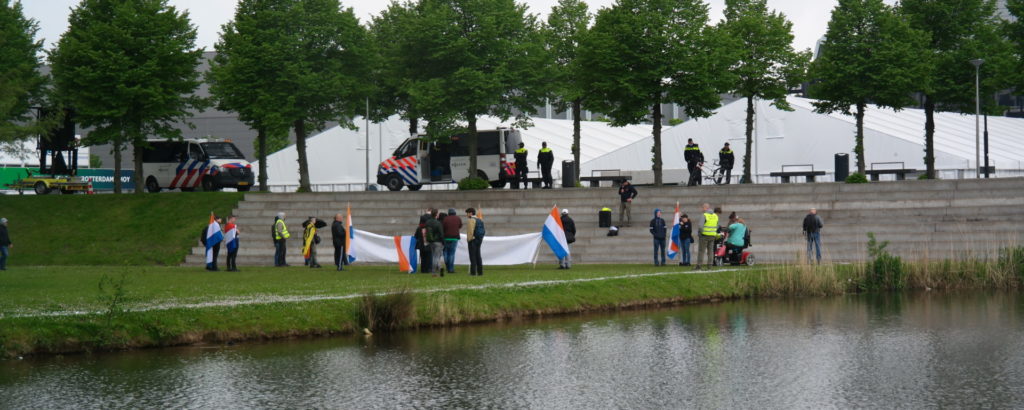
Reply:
x=929, y=136
x=473, y=144
x=858, y=148
x=139, y=177
x=300, y=147
x=576, y=113
x=261, y=153
x=117, y=167
x=749, y=149
x=414, y=126
x=656, y=158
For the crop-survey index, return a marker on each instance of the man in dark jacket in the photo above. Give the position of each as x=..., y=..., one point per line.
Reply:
x=421, y=243
x=685, y=239
x=521, y=168
x=338, y=237
x=626, y=195
x=812, y=230
x=5, y=244
x=694, y=162
x=658, y=230
x=570, y=236
x=545, y=158
x=435, y=240
x=451, y=225
x=726, y=159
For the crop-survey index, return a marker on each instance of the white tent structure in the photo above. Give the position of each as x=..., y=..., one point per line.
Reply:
x=24, y=154
x=337, y=156
x=802, y=137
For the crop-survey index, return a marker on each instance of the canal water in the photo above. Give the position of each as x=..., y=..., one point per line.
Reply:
x=894, y=351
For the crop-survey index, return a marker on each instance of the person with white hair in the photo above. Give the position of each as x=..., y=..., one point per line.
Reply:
x=5, y=244
x=281, y=236
x=569, y=226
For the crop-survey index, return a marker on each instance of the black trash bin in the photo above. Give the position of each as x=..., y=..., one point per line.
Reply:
x=568, y=174
x=842, y=167
x=604, y=218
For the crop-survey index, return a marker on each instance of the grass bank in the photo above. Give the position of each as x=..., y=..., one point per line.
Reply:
x=109, y=229
x=75, y=309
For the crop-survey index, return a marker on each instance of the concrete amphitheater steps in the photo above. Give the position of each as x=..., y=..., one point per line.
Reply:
x=922, y=219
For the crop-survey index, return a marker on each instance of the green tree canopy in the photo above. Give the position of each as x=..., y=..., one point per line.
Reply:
x=128, y=69
x=642, y=53
x=20, y=81
x=566, y=27
x=399, y=62
x=766, y=66
x=870, y=55
x=960, y=31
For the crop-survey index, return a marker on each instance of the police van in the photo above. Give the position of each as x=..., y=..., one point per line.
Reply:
x=418, y=161
x=209, y=164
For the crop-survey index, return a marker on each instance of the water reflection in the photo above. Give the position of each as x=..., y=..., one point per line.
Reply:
x=920, y=350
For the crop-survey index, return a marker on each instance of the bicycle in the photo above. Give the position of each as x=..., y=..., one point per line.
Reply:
x=715, y=175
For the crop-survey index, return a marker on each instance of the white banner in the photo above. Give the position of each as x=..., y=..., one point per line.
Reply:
x=496, y=250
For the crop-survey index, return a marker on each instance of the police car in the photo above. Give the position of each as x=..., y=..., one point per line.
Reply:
x=210, y=164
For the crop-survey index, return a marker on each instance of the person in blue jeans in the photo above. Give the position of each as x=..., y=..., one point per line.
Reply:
x=685, y=239
x=5, y=244
x=658, y=232
x=812, y=230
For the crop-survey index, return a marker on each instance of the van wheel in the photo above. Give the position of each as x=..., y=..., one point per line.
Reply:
x=498, y=184
x=152, y=186
x=244, y=188
x=41, y=188
x=394, y=182
x=415, y=187
x=209, y=186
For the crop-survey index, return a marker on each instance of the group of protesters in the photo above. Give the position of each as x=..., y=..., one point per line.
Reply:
x=310, y=239
x=437, y=237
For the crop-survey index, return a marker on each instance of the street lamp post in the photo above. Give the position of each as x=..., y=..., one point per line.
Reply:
x=977, y=115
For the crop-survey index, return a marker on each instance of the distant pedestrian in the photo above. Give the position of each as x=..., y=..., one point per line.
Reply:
x=658, y=231
x=231, y=240
x=435, y=239
x=5, y=244
x=545, y=158
x=310, y=239
x=812, y=231
x=626, y=195
x=685, y=239
x=211, y=238
x=281, y=235
x=338, y=238
x=475, y=232
x=521, y=155
x=421, y=243
x=451, y=225
x=708, y=235
x=694, y=162
x=726, y=160
x=570, y=236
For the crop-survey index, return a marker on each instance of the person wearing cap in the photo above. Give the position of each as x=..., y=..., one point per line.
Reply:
x=569, y=226
x=545, y=159
x=310, y=238
x=694, y=161
x=521, y=155
x=5, y=244
x=281, y=236
x=658, y=231
x=451, y=225
x=726, y=159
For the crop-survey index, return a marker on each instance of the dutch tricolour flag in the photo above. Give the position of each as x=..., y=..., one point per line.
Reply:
x=349, y=250
x=554, y=234
x=231, y=236
x=213, y=237
x=674, y=248
x=405, y=246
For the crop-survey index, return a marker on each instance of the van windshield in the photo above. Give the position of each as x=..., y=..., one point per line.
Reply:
x=222, y=150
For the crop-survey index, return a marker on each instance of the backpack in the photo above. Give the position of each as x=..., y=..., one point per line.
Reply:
x=479, y=231
x=273, y=230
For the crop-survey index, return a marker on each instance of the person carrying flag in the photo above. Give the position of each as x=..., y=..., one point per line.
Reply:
x=570, y=236
x=231, y=238
x=338, y=237
x=310, y=239
x=554, y=234
x=212, y=240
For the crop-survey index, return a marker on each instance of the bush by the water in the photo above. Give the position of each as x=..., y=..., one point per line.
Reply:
x=472, y=183
x=884, y=270
x=1012, y=260
x=856, y=178
x=388, y=312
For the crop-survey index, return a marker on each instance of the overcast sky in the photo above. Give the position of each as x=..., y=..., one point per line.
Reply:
x=809, y=17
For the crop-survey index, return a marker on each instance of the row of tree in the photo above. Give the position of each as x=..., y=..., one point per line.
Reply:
x=129, y=67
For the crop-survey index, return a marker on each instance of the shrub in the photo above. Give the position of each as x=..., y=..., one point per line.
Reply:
x=387, y=312
x=472, y=183
x=884, y=270
x=1012, y=260
x=923, y=177
x=856, y=178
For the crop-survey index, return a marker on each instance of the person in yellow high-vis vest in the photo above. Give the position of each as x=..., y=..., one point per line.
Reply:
x=708, y=234
x=281, y=236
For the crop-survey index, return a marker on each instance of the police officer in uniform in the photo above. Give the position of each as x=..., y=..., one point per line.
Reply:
x=545, y=158
x=694, y=161
x=521, y=167
x=726, y=159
